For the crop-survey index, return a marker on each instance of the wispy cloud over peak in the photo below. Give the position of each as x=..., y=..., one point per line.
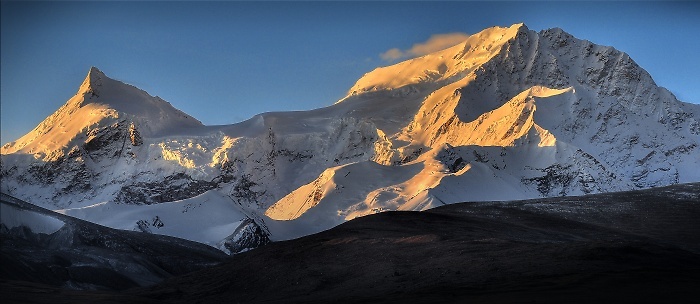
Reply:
x=434, y=43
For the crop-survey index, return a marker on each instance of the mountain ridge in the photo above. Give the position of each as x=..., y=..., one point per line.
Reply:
x=508, y=114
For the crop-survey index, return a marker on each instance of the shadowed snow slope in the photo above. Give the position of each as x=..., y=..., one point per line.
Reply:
x=509, y=113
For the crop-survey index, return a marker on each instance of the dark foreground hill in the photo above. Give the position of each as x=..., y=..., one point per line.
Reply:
x=80, y=255
x=641, y=247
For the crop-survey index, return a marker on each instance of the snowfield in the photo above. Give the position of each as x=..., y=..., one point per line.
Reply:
x=510, y=113
x=180, y=218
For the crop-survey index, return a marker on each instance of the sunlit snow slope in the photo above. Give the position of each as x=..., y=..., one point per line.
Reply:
x=508, y=114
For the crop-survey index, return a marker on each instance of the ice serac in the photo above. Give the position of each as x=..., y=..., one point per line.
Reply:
x=509, y=113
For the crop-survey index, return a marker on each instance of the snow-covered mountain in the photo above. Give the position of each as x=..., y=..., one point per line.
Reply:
x=509, y=113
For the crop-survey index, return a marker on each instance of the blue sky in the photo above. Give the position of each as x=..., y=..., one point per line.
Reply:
x=223, y=62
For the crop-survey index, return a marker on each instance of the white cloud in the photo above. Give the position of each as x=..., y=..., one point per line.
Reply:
x=435, y=43
x=392, y=54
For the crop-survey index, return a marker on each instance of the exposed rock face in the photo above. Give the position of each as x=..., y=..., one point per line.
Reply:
x=247, y=236
x=174, y=187
x=135, y=136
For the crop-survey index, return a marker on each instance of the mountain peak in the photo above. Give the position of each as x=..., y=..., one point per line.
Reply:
x=99, y=89
x=99, y=103
x=95, y=70
x=446, y=65
x=519, y=25
x=92, y=80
